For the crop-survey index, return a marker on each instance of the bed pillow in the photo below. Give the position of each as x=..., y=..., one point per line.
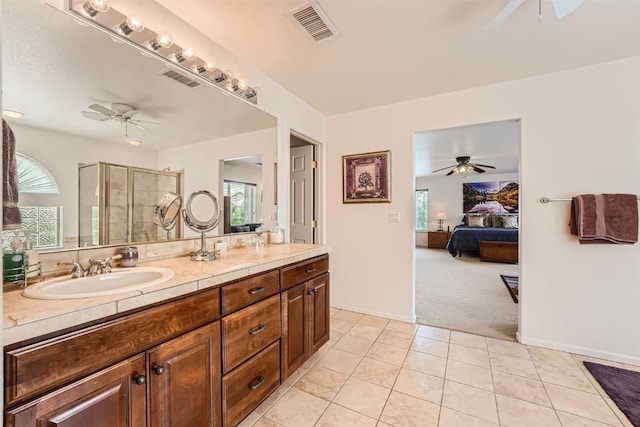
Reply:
x=476, y=221
x=510, y=221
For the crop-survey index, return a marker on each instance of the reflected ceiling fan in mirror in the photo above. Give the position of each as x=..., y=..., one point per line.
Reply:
x=121, y=113
x=464, y=167
x=562, y=8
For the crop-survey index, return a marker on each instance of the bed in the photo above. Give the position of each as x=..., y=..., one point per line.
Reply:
x=465, y=238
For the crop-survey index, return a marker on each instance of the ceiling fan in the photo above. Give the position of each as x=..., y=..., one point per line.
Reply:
x=464, y=167
x=122, y=113
x=561, y=7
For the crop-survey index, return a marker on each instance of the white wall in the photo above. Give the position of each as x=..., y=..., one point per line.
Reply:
x=445, y=194
x=580, y=133
x=202, y=164
x=61, y=154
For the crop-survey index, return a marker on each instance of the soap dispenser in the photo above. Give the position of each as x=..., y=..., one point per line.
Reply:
x=31, y=257
x=13, y=270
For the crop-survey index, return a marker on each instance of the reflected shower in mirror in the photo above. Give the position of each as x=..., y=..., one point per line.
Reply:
x=54, y=69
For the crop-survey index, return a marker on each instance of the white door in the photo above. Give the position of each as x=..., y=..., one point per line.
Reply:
x=302, y=194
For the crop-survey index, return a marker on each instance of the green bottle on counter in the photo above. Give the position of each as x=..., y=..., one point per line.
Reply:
x=13, y=267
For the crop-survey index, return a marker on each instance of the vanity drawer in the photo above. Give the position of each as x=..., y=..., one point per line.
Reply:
x=246, y=292
x=36, y=368
x=303, y=271
x=246, y=332
x=247, y=386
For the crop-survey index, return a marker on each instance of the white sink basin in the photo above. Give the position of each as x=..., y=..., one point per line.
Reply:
x=116, y=282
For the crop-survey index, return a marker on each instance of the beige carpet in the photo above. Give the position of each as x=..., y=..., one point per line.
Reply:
x=464, y=294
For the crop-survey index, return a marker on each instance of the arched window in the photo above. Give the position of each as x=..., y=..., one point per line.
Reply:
x=33, y=177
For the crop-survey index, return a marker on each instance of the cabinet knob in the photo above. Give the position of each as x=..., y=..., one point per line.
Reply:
x=256, y=383
x=158, y=369
x=257, y=330
x=256, y=290
x=140, y=379
x=312, y=291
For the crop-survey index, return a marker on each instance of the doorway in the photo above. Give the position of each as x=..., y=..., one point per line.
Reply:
x=303, y=178
x=478, y=162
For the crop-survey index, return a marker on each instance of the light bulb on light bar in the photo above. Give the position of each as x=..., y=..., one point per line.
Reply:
x=161, y=41
x=243, y=84
x=131, y=25
x=203, y=67
x=186, y=55
x=252, y=92
x=91, y=8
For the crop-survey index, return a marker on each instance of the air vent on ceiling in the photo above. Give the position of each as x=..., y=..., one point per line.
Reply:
x=180, y=78
x=315, y=22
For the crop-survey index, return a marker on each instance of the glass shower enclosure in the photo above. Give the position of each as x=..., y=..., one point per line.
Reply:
x=117, y=202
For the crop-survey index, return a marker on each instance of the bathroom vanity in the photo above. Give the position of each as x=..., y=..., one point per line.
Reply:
x=204, y=349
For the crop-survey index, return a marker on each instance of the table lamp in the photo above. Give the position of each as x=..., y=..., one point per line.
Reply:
x=441, y=216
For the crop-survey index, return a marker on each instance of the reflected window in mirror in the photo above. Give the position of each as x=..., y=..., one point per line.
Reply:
x=39, y=205
x=242, y=204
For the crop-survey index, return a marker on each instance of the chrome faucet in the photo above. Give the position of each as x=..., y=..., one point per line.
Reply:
x=102, y=266
x=77, y=271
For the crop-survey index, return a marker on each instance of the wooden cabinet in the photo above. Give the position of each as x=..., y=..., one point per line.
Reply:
x=305, y=312
x=205, y=359
x=112, y=397
x=248, y=385
x=438, y=239
x=184, y=374
x=506, y=252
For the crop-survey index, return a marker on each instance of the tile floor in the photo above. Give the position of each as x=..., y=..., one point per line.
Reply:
x=379, y=372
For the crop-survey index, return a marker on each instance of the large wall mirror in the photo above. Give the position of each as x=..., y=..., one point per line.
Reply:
x=63, y=75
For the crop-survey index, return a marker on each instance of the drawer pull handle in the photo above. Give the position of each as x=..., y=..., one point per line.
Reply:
x=312, y=291
x=256, y=290
x=256, y=383
x=140, y=379
x=257, y=330
x=310, y=270
x=158, y=369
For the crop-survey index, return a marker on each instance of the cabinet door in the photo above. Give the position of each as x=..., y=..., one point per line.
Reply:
x=318, y=293
x=295, y=342
x=113, y=397
x=184, y=380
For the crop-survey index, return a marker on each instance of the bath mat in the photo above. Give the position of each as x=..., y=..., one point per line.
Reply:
x=622, y=386
x=511, y=282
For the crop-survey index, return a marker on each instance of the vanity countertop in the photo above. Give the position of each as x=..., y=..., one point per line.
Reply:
x=25, y=318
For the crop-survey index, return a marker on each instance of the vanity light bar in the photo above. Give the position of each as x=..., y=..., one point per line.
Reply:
x=133, y=32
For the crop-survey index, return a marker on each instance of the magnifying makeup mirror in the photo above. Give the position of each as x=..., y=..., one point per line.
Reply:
x=167, y=211
x=202, y=214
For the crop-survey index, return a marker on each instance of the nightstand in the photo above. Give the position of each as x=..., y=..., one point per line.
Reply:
x=438, y=239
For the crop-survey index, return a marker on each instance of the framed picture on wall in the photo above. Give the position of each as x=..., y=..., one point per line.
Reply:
x=366, y=178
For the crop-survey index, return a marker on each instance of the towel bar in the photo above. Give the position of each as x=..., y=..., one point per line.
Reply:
x=548, y=200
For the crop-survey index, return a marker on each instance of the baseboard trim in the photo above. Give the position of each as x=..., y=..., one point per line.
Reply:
x=376, y=313
x=584, y=351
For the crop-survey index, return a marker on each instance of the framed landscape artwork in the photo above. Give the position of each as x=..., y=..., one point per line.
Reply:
x=495, y=197
x=366, y=178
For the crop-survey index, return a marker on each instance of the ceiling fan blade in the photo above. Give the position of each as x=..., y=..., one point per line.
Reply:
x=485, y=166
x=94, y=116
x=477, y=169
x=138, y=126
x=102, y=109
x=438, y=170
x=565, y=7
x=503, y=14
x=450, y=173
x=144, y=121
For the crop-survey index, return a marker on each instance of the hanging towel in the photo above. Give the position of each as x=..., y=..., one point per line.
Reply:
x=605, y=218
x=11, y=217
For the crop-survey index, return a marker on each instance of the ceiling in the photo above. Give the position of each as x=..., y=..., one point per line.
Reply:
x=396, y=50
x=495, y=144
x=53, y=68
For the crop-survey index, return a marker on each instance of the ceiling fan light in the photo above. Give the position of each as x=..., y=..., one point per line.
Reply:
x=135, y=141
x=13, y=114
